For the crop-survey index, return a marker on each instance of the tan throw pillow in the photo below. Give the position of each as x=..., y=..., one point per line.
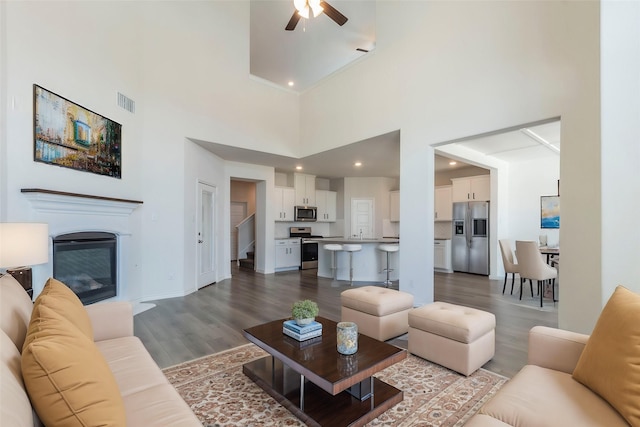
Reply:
x=67, y=378
x=610, y=362
x=59, y=297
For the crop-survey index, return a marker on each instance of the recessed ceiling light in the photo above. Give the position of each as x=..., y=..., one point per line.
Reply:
x=453, y=163
x=299, y=168
x=358, y=164
x=290, y=83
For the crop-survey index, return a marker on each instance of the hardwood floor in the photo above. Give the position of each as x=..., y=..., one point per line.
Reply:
x=212, y=319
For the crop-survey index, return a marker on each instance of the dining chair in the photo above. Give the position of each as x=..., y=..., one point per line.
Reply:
x=509, y=265
x=533, y=267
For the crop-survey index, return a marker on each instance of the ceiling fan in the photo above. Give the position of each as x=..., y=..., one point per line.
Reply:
x=302, y=10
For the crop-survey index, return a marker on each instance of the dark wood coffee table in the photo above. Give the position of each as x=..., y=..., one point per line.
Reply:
x=318, y=384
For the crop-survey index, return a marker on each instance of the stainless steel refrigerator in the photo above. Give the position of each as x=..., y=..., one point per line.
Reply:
x=470, y=239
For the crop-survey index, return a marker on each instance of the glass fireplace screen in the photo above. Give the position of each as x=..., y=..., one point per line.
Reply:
x=87, y=263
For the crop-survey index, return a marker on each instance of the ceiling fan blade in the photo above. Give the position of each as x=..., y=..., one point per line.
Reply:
x=293, y=21
x=333, y=13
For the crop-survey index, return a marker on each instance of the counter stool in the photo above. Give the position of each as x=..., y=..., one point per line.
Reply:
x=333, y=247
x=351, y=248
x=388, y=248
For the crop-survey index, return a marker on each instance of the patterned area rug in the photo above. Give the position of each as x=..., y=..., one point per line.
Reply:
x=221, y=395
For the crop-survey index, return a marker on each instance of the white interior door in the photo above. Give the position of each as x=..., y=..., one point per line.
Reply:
x=238, y=213
x=362, y=218
x=206, y=273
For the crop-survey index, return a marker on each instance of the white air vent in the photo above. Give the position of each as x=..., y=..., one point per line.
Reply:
x=126, y=103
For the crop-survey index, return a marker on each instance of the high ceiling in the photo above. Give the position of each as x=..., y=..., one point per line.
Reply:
x=380, y=156
x=316, y=48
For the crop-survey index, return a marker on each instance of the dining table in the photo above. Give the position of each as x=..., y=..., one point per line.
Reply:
x=549, y=251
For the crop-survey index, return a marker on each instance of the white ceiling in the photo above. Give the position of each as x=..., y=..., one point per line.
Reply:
x=315, y=49
x=380, y=156
x=516, y=145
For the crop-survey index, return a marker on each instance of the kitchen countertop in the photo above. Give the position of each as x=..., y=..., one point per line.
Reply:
x=355, y=240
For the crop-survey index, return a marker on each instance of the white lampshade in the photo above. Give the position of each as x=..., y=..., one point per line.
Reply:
x=23, y=244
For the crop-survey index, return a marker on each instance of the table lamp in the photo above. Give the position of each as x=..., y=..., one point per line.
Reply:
x=21, y=246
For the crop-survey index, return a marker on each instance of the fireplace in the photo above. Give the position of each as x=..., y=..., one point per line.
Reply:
x=87, y=263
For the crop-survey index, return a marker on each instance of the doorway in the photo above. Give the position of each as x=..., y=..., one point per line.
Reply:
x=362, y=218
x=206, y=265
x=238, y=214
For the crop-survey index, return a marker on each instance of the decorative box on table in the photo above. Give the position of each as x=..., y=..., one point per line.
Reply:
x=302, y=333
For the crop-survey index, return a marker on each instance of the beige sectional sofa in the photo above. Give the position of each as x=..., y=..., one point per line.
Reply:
x=544, y=393
x=148, y=398
x=574, y=379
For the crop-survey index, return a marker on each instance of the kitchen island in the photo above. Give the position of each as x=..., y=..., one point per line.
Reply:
x=368, y=263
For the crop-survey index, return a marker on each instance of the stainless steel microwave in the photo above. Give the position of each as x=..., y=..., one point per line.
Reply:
x=305, y=213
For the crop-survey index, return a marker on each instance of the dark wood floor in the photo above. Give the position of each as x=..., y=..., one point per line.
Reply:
x=212, y=319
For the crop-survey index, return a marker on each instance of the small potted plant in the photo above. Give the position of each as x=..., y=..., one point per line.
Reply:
x=304, y=312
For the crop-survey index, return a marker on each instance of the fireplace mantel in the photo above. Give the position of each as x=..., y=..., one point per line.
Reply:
x=52, y=201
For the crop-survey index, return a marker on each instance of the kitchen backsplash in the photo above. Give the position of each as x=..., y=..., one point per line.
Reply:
x=442, y=229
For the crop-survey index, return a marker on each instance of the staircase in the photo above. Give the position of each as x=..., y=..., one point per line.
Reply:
x=248, y=263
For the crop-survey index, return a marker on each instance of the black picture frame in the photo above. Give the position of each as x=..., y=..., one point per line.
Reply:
x=549, y=211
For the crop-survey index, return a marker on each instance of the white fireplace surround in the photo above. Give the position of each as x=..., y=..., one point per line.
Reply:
x=72, y=213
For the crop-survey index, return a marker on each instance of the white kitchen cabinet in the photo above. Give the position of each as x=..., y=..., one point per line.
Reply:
x=394, y=206
x=284, y=203
x=472, y=188
x=305, y=186
x=288, y=254
x=442, y=255
x=326, y=203
x=443, y=204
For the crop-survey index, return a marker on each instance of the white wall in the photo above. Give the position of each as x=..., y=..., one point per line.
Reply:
x=620, y=92
x=440, y=71
x=580, y=172
x=368, y=188
x=200, y=166
x=186, y=66
x=528, y=180
x=445, y=70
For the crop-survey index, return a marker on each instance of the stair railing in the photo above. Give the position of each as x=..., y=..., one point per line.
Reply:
x=246, y=230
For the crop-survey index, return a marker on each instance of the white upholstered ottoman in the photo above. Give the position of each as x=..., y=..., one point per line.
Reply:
x=380, y=313
x=459, y=338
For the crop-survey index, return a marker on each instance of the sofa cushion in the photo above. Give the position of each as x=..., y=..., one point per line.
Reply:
x=131, y=365
x=149, y=398
x=59, y=297
x=15, y=310
x=67, y=378
x=376, y=301
x=456, y=322
x=610, y=362
x=16, y=408
x=538, y=396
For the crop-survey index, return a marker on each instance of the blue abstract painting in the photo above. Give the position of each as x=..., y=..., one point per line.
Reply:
x=550, y=212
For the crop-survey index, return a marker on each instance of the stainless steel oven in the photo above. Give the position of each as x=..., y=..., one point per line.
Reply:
x=309, y=248
x=309, y=255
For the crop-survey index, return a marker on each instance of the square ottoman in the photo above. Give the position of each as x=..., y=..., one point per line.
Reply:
x=459, y=338
x=380, y=313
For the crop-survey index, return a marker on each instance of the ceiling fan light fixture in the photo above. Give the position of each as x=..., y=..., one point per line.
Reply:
x=302, y=6
x=315, y=7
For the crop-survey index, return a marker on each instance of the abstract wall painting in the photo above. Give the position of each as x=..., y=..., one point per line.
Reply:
x=549, y=211
x=69, y=135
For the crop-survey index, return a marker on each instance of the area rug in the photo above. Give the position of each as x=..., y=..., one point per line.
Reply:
x=221, y=395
